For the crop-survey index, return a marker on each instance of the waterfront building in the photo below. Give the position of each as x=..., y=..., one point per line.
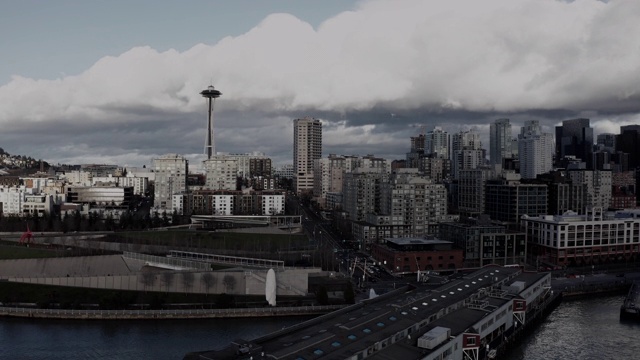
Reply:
x=410, y=255
x=594, y=238
x=485, y=243
x=307, y=147
x=508, y=199
x=500, y=141
x=535, y=150
x=171, y=172
x=575, y=138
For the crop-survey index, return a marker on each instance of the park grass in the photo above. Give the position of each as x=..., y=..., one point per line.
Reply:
x=218, y=240
x=11, y=252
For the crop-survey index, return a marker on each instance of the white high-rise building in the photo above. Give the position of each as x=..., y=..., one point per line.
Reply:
x=535, y=150
x=500, y=141
x=171, y=172
x=307, y=147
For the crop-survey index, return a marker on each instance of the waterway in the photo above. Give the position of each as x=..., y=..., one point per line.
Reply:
x=577, y=329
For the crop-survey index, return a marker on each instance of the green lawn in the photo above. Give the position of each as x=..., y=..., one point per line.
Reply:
x=217, y=240
x=8, y=252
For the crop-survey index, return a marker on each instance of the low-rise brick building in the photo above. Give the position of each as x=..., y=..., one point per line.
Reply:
x=408, y=255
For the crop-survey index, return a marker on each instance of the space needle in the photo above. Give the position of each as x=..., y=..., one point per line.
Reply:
x=210, y=93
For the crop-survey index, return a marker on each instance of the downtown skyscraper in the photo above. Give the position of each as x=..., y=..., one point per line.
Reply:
x=500, y=141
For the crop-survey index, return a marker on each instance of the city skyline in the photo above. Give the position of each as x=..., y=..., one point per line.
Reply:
x=125, y=90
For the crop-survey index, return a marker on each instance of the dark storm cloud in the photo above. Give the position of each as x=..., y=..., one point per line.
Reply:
x=452, y=64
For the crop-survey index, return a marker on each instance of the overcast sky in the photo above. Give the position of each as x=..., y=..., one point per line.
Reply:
x=118, y=82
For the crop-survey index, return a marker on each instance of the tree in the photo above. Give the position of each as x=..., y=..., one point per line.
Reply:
x=229, y=283
x=187, y=281
x=148, y=279
x=208, y=280
x=167, y=280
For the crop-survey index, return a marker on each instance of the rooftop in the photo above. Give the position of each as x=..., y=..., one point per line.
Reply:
x=346, y=332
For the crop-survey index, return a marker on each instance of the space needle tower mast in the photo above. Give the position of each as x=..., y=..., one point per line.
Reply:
x=210, y=93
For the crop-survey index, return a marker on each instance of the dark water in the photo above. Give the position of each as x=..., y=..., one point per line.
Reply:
x=127, y=340
x=585, y=329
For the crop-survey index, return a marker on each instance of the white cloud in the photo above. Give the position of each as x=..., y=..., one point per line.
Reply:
x=491, y=56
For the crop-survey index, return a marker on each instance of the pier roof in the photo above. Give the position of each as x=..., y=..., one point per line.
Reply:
x=346, y=332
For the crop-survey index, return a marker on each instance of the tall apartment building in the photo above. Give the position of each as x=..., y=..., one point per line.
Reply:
x=307, y=147
x=535, y=150
x=328, y=174
x=598, y=187
x=411, y=199
x=575, y=138
x=437, y=143
x=500, y=140
x=466, y=152
x=594, y=238
x=435, y=168
x=221, y=172
x=416, y=152
x=361, y=192
x=171, y=172
x=471, y=190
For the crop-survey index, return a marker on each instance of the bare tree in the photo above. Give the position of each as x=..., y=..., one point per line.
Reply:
x=148, y=279
x=229, y=283
x=187, y=281
x=167, y=280
x=208, y=280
